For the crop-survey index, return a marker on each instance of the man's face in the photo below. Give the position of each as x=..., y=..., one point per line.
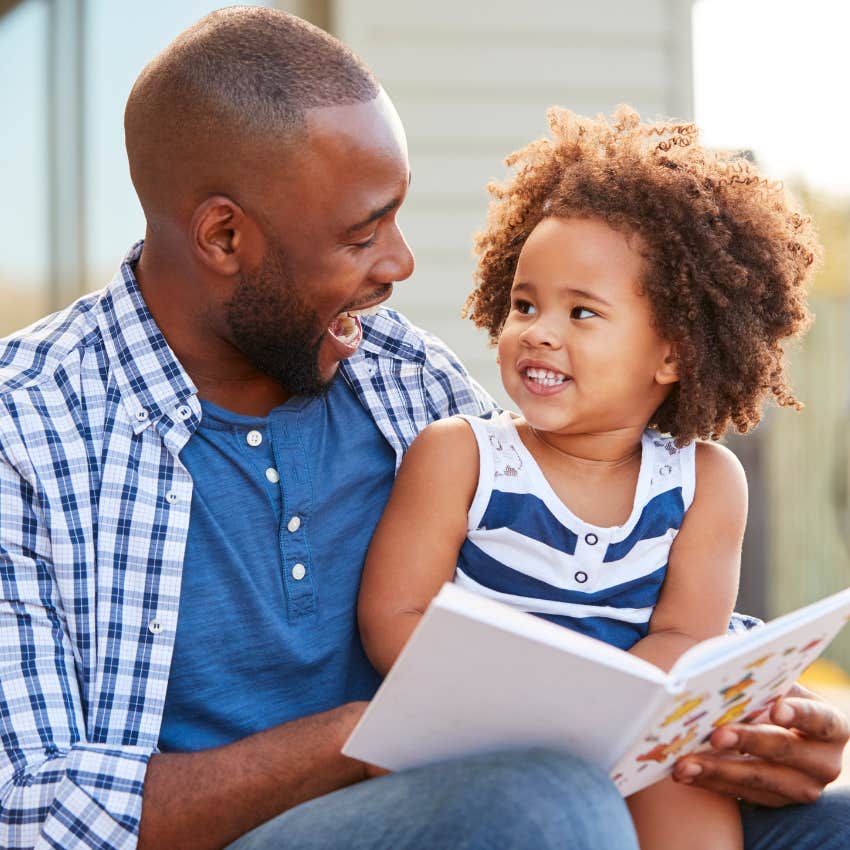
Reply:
x=333, y=245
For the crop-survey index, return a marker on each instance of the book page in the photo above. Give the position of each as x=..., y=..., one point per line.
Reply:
x=738, y=677
x=482, y=677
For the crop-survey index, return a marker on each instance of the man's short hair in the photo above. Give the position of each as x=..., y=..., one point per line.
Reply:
x=223, y=90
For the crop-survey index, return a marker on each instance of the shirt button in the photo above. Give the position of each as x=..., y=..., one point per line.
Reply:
x=184, y=412
x=155, y=627
x=371, y=367
x=171, y=497
x=273, y=475
x=299, y=571
x=142, y=415
x=580, y=577
x=294, y=524
x=591, y=539
x=253, y=438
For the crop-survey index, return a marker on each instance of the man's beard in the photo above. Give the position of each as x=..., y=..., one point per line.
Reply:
x=276, y=329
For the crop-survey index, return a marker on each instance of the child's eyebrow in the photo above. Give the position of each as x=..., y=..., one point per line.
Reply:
x=527, y=286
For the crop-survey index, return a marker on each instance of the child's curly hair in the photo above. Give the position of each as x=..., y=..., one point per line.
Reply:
x=728, y=255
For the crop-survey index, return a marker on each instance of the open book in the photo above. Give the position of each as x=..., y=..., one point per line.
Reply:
x=478, y=676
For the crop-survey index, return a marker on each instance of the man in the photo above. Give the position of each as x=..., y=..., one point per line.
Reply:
x=192, y=463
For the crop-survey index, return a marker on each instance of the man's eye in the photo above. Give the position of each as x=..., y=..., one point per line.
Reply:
x=581, y=313
x=367, y=244
x=525, y=307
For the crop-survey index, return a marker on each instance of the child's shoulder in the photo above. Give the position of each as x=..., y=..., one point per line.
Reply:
x=715, y=460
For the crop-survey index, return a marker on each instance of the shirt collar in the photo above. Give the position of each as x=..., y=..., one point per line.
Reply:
x=149, y=377
x=388, y=334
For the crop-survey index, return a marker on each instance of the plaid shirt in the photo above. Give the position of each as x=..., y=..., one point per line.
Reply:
x=94, y=515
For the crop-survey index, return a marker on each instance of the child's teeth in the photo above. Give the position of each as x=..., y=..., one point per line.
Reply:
x=545, y=376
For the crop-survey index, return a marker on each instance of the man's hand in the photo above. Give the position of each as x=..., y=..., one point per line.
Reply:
x=788, y=758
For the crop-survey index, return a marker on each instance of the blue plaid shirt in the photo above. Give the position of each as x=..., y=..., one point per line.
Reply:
x=94, y=515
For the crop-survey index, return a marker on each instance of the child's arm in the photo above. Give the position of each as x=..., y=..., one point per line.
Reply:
x=696, y=602
x=701, y=585
x=415, y=547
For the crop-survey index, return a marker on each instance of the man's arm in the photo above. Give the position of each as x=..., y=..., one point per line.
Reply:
x=789, y=758
x=210, y=798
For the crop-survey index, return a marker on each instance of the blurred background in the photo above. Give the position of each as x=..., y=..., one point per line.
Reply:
x=472, y=81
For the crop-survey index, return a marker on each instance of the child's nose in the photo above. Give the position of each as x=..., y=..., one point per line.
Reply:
x=541, y=335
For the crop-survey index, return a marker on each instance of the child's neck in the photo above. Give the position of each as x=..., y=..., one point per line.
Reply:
x=594, y=475
x=608, y=450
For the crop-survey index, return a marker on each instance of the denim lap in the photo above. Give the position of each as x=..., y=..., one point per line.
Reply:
x=524, y=800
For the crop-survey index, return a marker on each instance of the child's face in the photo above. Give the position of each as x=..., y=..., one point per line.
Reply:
x=578, y=352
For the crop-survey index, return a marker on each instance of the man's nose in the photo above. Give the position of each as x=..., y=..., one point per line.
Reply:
x=398, y=262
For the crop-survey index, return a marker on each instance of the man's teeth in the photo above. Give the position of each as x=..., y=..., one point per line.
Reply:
x=546, y=377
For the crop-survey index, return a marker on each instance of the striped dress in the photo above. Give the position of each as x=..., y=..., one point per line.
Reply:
x=524, y=547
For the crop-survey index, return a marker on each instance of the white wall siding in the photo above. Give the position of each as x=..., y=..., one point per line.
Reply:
x=472, y=82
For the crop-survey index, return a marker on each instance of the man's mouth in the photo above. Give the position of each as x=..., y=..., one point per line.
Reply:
x=346, y=327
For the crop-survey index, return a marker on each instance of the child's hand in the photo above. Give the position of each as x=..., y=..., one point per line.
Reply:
x=789, y=759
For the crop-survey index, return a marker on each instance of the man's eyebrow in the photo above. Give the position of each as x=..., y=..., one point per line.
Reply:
x=379, y=213
x=374, y=216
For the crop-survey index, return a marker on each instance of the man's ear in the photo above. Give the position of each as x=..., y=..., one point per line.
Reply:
x=668, y=371
x=221, y=233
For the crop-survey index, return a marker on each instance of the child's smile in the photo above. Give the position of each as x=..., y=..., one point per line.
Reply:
x=579, y=352
x=541, y=379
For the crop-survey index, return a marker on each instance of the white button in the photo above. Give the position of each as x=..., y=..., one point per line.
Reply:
x=155, y=626
x=142, y=415
x=171, y=497
x=273, y=475
x=299, y=571
x=294, y=524
x=184, y=412
x=371, y=367
x=254, y=438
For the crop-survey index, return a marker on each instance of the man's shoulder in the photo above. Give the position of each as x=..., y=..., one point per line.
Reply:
x=391, y=334
x=36, y=354
x=448, y=386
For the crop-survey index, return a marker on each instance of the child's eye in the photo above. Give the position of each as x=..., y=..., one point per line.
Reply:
x=581, y=313
x=525, y=307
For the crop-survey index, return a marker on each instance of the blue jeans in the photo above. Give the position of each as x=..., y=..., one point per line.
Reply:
x=824, y=825
x=527, y=800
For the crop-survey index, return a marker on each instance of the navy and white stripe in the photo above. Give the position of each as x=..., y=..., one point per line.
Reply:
x=94, y=515
x=526, y=548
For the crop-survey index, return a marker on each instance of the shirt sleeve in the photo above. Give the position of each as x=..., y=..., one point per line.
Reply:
x=57, y=789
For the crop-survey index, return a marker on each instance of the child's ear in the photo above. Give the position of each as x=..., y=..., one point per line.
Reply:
x=668, y=371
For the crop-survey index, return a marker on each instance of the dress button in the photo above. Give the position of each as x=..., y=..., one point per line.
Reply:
x=580, y=577
x=253, y=438
x=294, y=524
x=591, y=539
x=371, y=367
x=171, y=497
x=142, y=415
x=155, y=627
x=273, y=475
x=184, y=412
x=299, y=571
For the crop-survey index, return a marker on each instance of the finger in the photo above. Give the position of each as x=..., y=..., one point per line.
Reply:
x=750, y=779
x=821, y=760
x=816, y=718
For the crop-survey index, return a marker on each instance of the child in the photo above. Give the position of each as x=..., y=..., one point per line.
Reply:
x=638, y=286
